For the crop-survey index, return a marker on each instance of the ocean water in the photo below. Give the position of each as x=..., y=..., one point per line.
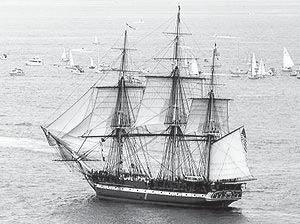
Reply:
x=36, y=189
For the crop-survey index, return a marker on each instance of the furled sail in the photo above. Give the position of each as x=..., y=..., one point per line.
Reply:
x=198, y=116
x=287, y=60
x=228, y=158
x=153, y=112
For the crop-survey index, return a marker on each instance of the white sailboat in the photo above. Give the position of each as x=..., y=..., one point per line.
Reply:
x=287, y=62
x=261, y=69
x=253, y=68
x=298, y=74
x=64, y=56
x=96, y=42
x=190, y=62
x=92, y=66
x=193, y=67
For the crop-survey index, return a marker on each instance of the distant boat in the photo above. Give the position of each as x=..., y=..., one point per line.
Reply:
x=64, y=56
x=3, y=57
x=193, y=67
x=287, y=62
x=34, y=62
x=298, y=73
x=71, y=61
x=77, y=70
x=96, y=42
x=261, y=69
x=17, y=72
x=190, y=62
x=253, y=68
x=272, y=72
x=92, y=66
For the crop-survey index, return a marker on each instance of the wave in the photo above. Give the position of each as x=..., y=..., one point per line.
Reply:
x=25, y=143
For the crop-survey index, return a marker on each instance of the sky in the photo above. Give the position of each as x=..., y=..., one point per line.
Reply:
x=48, y=8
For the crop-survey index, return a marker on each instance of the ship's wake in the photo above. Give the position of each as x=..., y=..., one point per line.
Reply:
x=25, y=143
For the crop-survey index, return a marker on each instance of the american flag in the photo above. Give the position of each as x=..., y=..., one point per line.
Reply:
x=244, y=139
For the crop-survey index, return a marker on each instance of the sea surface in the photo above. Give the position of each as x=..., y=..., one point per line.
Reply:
x=36, y=189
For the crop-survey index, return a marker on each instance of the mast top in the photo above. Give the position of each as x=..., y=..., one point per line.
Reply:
x=213, y=68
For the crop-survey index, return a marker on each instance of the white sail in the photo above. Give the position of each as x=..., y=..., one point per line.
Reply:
x=261, y=69
x=71, y=60
x=228, y=159
x=193, y=67
x=155, y=103
x=64, y=55
x=198, y=114
x=101, y=120
x=287, y=60
x=74, y=115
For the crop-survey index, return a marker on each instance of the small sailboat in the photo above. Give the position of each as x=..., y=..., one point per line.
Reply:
x=287, y=62
x=190, y=62
x=71, y=61
x=96, y=42
x=298, y=74
x=193, y=67
x=64, y=56
x=261, y=69
x=34, y=62
x=92, y=66
x=253, y=68
x=17, y=72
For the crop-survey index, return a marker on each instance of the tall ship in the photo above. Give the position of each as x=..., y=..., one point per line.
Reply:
x=160, y=141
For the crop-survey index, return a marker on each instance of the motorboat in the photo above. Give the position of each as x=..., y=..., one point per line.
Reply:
x=34, y=62
x=16, y=72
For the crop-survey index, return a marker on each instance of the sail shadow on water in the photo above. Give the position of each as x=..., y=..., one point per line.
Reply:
x=157, y=142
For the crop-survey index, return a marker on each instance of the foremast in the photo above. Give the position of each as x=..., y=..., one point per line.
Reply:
x=121, y=121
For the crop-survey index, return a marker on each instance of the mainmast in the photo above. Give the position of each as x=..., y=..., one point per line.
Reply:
x=177, y=159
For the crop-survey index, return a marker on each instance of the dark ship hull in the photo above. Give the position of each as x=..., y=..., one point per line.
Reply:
x=142, y=192
x=182, y=199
